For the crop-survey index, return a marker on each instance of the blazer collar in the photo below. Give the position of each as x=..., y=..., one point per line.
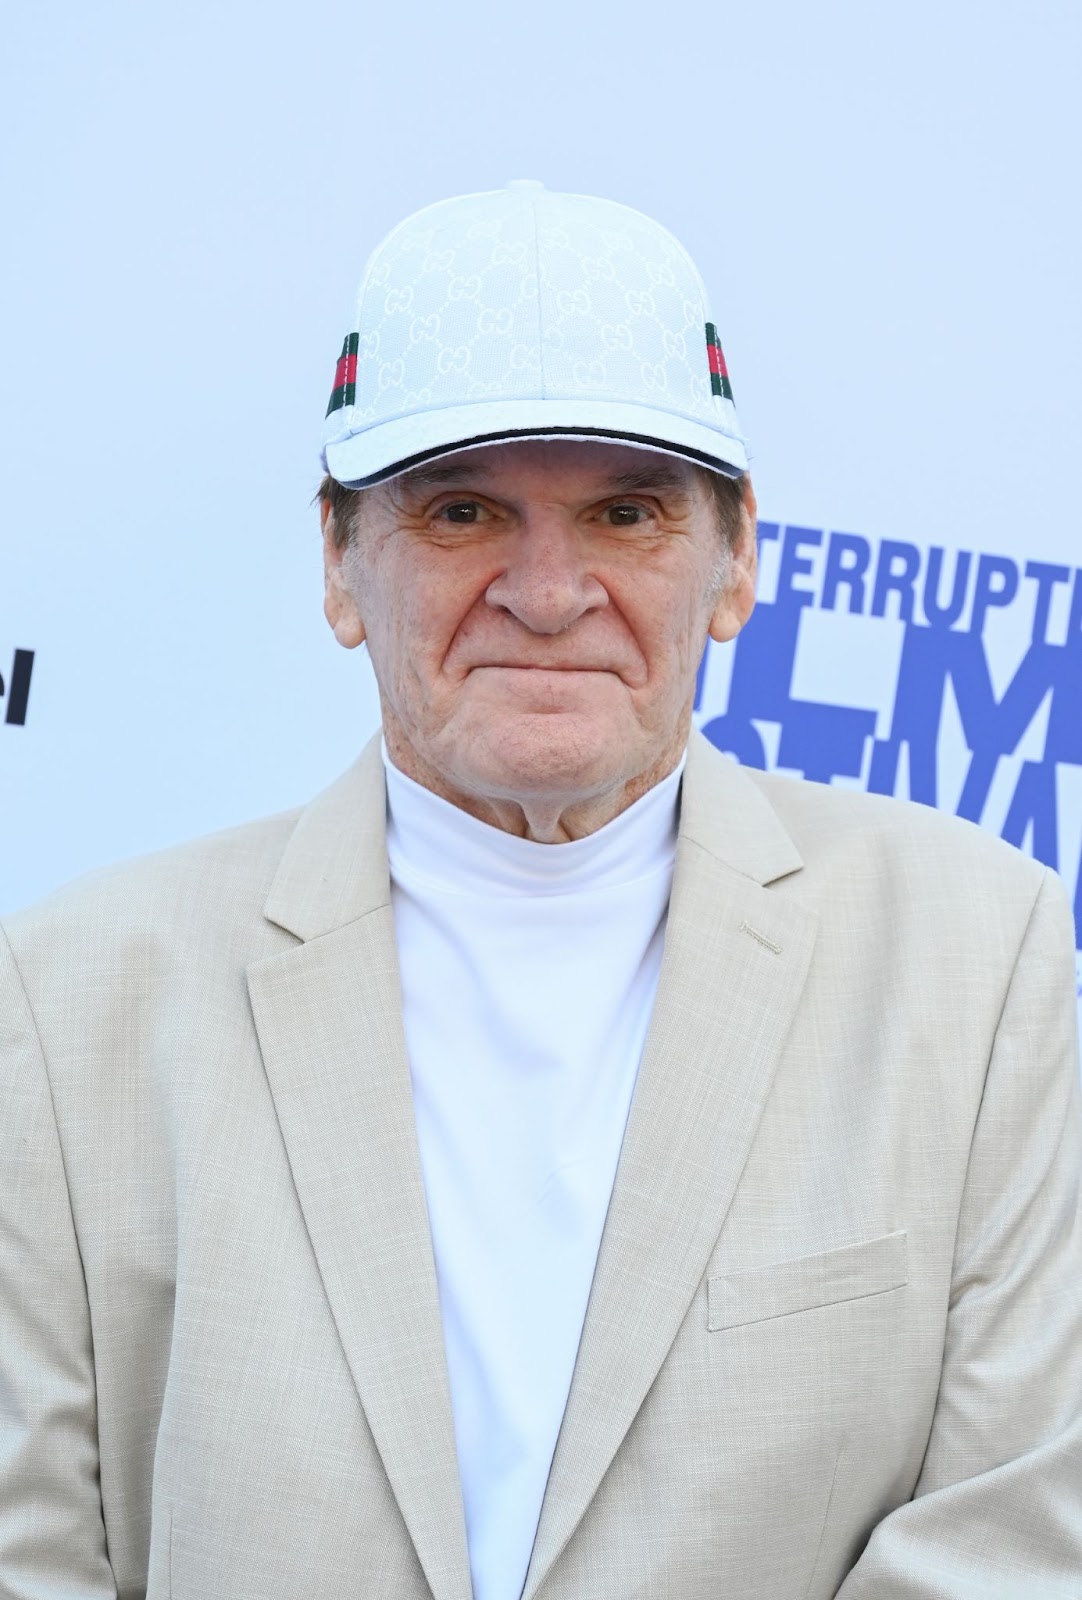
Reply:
x=328, y=1013
x=736, y=958
x=724, y=811
x=334, y=867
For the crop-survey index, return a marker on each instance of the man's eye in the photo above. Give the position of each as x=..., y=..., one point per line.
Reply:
x=625, y=516
x=461, y=511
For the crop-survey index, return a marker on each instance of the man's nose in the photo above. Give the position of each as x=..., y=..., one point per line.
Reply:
x=546, y=583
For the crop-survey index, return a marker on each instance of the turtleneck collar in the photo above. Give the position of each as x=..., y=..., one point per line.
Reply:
x=429, y=838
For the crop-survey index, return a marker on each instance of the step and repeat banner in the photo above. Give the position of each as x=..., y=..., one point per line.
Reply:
x=891, y=240
x=951, y=677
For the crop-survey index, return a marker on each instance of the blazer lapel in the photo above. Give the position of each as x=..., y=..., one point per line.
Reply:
x=736, y=958
x=329, y=1018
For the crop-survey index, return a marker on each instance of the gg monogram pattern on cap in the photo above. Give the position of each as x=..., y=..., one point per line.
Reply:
x=522, y=312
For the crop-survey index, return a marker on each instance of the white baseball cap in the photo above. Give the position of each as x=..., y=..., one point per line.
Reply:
x=521, y=313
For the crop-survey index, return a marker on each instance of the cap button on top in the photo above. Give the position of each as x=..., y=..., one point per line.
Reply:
x=524, y=183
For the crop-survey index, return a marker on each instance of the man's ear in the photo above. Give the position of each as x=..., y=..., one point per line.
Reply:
x=737, y=598
x=339, y=604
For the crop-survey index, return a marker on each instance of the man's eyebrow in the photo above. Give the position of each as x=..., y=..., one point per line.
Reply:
x=437, y=474
x=650, y=477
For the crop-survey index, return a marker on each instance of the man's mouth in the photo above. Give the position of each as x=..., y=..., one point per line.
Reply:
x=540, y=666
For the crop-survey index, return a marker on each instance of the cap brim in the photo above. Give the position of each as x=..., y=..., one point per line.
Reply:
x=361, y=459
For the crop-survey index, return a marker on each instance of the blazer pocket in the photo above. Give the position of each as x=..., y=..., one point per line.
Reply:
x=851, y=1273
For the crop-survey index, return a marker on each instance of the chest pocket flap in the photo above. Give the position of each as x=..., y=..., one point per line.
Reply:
x=850, y=1273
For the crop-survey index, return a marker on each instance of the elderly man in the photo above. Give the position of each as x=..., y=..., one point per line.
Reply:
x=554, y=1162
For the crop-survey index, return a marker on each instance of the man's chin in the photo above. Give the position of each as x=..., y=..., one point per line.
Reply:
x=535, y=753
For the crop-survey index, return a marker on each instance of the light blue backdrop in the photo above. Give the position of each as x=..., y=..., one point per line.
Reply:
x=883, y=201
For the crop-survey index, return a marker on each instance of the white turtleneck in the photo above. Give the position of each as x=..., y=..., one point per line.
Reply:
x=528, y=978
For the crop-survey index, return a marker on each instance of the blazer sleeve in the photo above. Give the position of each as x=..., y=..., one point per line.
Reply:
x=52, y=1533
x=997, y=1511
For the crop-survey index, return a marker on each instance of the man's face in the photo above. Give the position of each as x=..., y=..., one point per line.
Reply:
x=535, y=613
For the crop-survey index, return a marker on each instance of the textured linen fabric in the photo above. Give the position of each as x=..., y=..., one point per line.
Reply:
x=528, y=979
x=221, y=1357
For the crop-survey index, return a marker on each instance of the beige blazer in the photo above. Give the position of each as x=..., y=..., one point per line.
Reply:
x=834, y=1343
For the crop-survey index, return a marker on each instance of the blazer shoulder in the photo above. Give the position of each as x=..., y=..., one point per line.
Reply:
x=187, y=888
x=850, y=831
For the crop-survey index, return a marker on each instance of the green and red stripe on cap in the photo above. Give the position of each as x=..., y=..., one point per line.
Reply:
x=345, y=374
x=719, y=372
